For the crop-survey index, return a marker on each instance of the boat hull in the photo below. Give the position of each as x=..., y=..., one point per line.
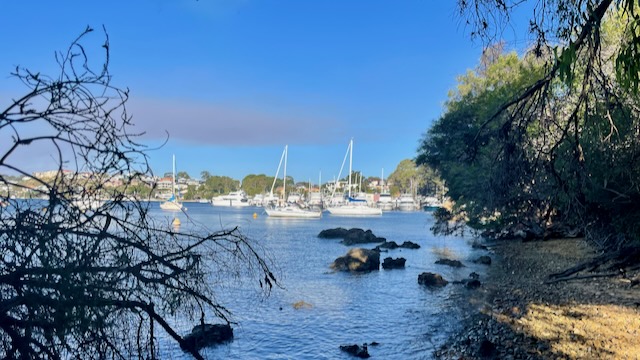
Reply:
x=171, y=206
x=230, y=203
x=354, y=210
x=293, y=213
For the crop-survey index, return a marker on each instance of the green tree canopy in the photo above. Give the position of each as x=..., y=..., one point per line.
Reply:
x=522, y=142
x=258, y=184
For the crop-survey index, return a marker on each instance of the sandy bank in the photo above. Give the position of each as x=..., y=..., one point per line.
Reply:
x=522, y=317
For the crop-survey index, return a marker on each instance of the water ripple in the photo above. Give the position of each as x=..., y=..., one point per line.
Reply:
x=388, y=307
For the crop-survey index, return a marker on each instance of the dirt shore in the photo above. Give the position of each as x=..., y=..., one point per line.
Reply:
x=521, y=316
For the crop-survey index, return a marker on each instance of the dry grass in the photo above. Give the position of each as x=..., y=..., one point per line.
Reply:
x=586, y=319
x=595, y=318
x=581, y=331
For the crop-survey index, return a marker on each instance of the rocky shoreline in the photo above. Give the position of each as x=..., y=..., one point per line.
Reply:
x=518, y=314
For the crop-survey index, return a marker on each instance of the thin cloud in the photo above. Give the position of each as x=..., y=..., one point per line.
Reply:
x=204, y=124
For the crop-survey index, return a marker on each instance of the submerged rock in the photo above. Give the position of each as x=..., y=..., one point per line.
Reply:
x=207, y=335
x=472, y=284
x=449, y=262
x=302, y=305
x=356, y=350
x=390, y=263
x=485, y=260
x=477, y=245
x=358, y=259
x=431, y=280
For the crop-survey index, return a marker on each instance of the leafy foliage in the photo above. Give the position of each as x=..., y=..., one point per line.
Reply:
x=548, y=140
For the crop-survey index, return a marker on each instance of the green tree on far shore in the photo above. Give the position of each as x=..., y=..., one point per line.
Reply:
x=258, y=184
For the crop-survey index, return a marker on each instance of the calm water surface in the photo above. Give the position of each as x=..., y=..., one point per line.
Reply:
x=389, y=307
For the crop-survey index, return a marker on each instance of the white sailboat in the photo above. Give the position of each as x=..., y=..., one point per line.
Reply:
x=172, y=204
x=352, y=207
x=286, y=209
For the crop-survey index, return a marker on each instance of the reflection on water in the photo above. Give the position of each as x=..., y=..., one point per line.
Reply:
x=388, y=307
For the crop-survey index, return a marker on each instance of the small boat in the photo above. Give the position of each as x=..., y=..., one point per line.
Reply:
x=406, y=203
x=293, y=211
x=172, y=204
x=315, y=200
x=431, y=203
x=385, y=202
x=86, y=204
x=233, y=199
x=354, y=207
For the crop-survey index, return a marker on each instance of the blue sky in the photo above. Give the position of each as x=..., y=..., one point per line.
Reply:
x=233, y=81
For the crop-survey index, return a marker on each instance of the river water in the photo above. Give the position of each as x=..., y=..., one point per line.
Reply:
x=389, y=307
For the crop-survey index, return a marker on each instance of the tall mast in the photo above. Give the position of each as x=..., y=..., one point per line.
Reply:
x=275, y=178
x=173, y=181
x=350, y=163
x=284, y=178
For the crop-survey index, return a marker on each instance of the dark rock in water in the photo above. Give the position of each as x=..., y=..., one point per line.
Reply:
x=393, y=245
x=356, y=350
x=358, y=236
x=487, y=349
x=472, y=284
x=485, y=260
x=358, y=259
x=474, y=275
x=352, y=236
x=388, y=245
x=431, y=280
x=337, y=233
x=410, y=245
x=449, y=262
x=390, y=263
x=206, y=335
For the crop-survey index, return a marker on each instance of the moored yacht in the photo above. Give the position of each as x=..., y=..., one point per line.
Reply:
x=173, y=204
x=233, y=199
x=352, y=206
x=385, y=202
x=406, y=203
x=289, y=208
